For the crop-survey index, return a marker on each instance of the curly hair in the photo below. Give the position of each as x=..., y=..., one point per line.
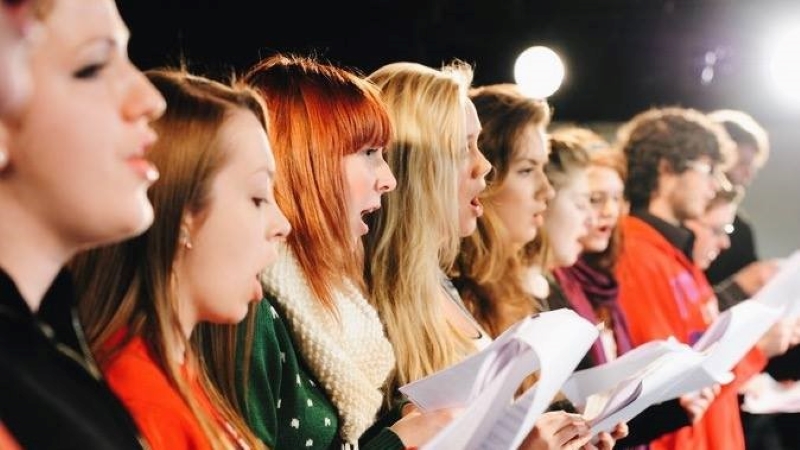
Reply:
x=674, y=135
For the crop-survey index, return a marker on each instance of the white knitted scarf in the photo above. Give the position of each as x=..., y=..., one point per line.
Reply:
x=351, y=357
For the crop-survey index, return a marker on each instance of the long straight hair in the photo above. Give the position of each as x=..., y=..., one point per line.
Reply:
x=318, y=114
x=130, y=287
x=415, y=235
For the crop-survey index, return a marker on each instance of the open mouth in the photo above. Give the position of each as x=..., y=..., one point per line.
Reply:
x=143, y=168
x=369, y=211
x=363, y=228
x=476, y=206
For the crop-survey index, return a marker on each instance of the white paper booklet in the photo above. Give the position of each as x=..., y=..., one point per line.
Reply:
x=663, y=370
x=484, y=384
x=783, y=289
x=619, y=390
x=764, y=395
x=733, y=334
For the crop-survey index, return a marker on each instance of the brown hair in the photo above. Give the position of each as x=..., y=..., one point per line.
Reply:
x=673, y=135
x=602, y=154
x=487, y=272
x=129, y=286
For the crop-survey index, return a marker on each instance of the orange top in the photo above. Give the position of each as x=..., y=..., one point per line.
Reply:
x=163, y=417
x=662, y=293
x=7, y=442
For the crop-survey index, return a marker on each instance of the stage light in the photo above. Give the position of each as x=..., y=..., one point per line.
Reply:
x=539, y=72
x=783, y=64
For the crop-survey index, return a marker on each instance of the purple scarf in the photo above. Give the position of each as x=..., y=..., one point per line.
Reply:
x=588, y=289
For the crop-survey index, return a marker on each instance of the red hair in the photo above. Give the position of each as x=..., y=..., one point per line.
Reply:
x=319, y=113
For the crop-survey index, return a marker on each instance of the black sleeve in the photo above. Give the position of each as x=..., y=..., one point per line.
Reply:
x=386, y=418
x=741, y=252
x=729, y=294
x=654, y=422
x=785, y=366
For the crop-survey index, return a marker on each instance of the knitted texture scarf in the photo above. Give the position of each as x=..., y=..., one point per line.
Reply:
x=350, y=356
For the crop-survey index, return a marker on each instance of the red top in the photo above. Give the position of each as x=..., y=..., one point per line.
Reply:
x=662, y=293
x=7, y=441
x=158, y=409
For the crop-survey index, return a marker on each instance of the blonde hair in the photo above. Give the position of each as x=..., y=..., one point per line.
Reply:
x=416, y=234
x=743, y=129
x=488, y=271
x=130, y=286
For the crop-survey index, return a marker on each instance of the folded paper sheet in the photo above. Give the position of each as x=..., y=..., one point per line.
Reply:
x=783, y=289
x=619, y=390
x=733, y=334
x=663, y=370
x=770, y=396
x=484, y=384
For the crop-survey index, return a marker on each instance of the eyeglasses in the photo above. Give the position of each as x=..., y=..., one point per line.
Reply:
x=701, y=167
x=724, y=230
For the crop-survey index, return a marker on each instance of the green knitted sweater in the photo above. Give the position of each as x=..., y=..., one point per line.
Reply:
x=285, y=406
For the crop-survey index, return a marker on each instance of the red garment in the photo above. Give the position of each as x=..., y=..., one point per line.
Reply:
x=160, y=412
x=664, y=294
x=7, y=441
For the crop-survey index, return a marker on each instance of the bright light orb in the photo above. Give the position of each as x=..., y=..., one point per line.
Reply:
x=784, y=64
x=539, y=72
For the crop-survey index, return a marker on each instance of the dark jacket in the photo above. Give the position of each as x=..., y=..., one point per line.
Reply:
x=51, y=393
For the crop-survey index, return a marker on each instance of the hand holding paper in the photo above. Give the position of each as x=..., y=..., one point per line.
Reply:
x=485, y=383
x=771, y=396
x=663, y=370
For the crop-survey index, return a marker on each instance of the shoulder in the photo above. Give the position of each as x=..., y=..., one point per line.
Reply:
x=270, y=333
x=142, y=386
x=133, y=372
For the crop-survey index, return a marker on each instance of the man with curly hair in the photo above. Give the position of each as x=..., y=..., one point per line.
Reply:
x=674, y=157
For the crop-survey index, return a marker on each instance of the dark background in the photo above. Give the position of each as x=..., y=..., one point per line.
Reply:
x=621, y=55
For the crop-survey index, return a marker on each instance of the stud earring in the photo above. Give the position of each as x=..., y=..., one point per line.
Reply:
x=184, y=239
